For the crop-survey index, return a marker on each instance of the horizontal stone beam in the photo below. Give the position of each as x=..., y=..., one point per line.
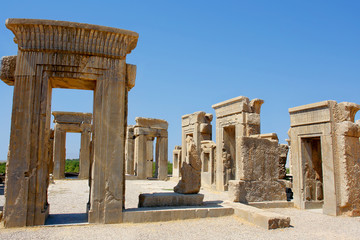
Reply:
x=72, y=117
x=150, y=132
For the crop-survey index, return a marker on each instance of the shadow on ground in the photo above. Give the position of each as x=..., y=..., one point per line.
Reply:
x=2, y=187
x=67, y=218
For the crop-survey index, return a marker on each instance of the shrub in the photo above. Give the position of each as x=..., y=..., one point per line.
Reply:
x=72, y=165
x=2, y=167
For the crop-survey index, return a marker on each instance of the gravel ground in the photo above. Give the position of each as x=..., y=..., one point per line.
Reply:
x=69, y=198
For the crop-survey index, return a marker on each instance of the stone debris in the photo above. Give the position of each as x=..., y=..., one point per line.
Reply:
x=190, y=181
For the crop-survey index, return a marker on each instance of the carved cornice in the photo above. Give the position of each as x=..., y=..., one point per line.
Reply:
x=71, y=37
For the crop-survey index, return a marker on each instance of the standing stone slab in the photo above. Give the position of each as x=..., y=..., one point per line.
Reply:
x=190, y=182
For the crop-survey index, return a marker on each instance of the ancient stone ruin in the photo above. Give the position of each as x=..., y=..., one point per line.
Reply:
x=325, y=146
x=235, y=118
x=208, y=162
x=247, y=162
x=176, y=162
x=190, y=181
x=76, y=123
x=140, y=148
x=325, y=153
x=57, y=54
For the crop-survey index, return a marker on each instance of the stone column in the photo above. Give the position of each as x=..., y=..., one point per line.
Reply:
x=84, y=160
x=150, y=158
x=162, y=157
x=129, y=150
x=140, y=155
x=59, y=152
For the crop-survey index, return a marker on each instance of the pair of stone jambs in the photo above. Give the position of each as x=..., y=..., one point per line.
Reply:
x=176, y=162
x=198, y=127
x=208, y=160
x=57, y=54
x=76, y=123
x=129, y=150
x=235, y=118
x=145, y=132
x=325, y=153
x=247, y=161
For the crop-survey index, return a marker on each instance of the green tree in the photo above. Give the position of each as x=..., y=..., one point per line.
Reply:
x=2, y=167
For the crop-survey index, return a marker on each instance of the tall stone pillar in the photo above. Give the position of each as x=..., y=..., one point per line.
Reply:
x=129, y=150
x=162, y=154
x=140, y=156
x=59, y=152
x=108, y=172
x=150, y=158
x=85, y=152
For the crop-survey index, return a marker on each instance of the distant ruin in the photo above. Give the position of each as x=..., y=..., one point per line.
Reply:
x=71, y=122
x=140, y=149
x=325, y=153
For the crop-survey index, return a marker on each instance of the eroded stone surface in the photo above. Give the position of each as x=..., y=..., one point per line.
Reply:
x=169, y=199
x=45, y=60
x=284, y=149
x=324, y=155
x=257, y=191
x=190, y=171
x=146, y=132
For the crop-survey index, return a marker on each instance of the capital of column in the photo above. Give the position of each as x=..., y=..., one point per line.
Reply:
x=71, y=37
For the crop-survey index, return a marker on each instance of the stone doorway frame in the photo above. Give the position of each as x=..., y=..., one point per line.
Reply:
x=146, y=131
x=73, y=122
x=58, y=54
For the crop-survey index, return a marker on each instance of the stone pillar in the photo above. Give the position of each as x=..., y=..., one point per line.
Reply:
x=84, y=160
x=108, y=173
x=176, y=162
x=140, y=152
x=59, y=152
x=129, y=150
x=150, y=158
x=161, y=157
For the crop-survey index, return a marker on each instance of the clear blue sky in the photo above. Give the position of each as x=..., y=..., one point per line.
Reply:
x=193, y=54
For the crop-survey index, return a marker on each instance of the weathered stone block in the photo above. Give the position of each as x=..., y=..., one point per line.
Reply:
x=190, y=171
x=259, y=217
x=7, y=69
x=169, y=199
x=256, y=191
x=259, y=159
